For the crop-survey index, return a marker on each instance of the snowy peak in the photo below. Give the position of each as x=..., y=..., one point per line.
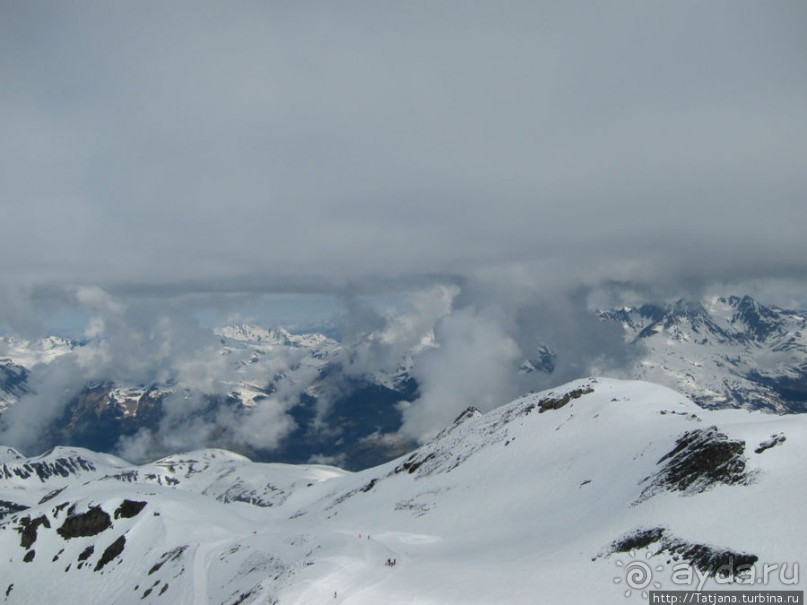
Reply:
x=18, y=356
x=725, y=352
x=56, y=466
x=740, y=318
x=28, y=353
x=687, y=320
x=683, y=321
x=9, y=454
x=258, y=335
x=755, y=319
x=722, y=319
x=254, y=334
x=595, y=462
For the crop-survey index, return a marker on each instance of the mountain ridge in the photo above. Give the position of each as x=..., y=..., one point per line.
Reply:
x=541, y=496
x=729, y=352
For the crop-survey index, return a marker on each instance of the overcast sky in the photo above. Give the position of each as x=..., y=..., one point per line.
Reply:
x=300, y=146
x=486, y=171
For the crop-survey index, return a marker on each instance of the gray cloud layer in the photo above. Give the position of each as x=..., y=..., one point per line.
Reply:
x=465, y=346
x=304, y=145
x=522, y=159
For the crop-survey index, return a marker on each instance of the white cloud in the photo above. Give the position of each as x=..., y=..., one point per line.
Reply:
x=472, y=365
x=144, y=343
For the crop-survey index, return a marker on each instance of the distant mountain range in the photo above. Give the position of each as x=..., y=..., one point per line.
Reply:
x=593, y=492
x=355, y=430
x=722, y=353
x=728, y=352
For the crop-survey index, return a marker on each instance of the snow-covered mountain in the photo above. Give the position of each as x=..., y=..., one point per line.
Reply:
x=723, y=352
x=18, y=356
x=727, y=352
x=556, y=497
x=258, y=335
x=31, y=352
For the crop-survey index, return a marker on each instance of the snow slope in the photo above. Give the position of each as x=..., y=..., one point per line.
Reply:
x=532, y=502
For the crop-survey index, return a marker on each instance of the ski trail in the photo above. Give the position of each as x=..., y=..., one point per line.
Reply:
x=354, y=569
x=200, y=574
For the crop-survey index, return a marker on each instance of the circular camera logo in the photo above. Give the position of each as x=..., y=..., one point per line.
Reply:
x=637, y=575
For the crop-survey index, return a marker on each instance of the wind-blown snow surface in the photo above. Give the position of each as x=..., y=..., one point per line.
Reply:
x=532, y=502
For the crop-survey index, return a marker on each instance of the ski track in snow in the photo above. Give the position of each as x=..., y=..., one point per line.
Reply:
x=201, y=564
x=355, y=574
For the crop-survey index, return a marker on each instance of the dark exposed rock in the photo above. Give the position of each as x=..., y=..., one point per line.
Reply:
x=469, y=412
x=759, y=321
x=86, y=553
x=641, y=538
x=52, y=495
x=64, y=466
x=9, y=589
x=701, y=458
x=29, y=556
x=168, y=480
x=769, y=443
x=59, y=508
x=412, y=463
x=91, y=523
x=7, y=508
x=27, y=528
x=243, y=597
x=707, y=559
x=111, y=551
x=239, y=492
x=130, y=476
x=171, y=555
x=369, y=486
x=555, y=403
x=128, y=509
x=13, y=379
x=349, y=494
x=149, y=590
